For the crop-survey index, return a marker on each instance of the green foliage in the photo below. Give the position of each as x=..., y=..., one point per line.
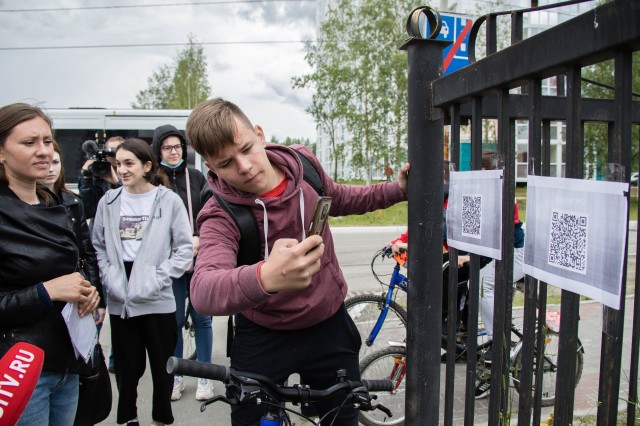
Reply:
x=598, y=83
x=360, y=82
x=288, y=141
x=181, y=85
x=394, y=215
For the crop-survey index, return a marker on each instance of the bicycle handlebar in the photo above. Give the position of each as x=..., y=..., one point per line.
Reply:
x=295, y=394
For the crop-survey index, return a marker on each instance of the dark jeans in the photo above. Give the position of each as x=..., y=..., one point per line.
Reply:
x=316, y=353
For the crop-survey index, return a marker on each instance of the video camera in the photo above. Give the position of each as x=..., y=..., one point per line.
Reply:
x=98, y=153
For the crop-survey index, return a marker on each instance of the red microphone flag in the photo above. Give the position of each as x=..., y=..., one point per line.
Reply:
x=19, y=372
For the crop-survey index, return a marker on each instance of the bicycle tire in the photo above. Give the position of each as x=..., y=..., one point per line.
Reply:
x=365, y=309
x=382, y=267
x=386, y=363
x=549, y=373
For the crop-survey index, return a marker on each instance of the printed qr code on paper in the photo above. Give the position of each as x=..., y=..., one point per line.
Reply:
x=471, y=215
x=568, y=241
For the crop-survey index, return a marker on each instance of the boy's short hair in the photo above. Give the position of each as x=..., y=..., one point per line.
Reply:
x=211, y=126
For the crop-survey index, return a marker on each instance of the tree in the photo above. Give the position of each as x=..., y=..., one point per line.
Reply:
x=359, y=79
x=598, y=82
x=182, y=85
x=158, y=94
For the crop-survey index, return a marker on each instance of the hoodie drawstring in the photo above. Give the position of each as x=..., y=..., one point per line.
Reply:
x=304, y=232
x=265, y=222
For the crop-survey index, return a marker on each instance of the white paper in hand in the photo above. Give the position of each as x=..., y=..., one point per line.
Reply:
x=82, y=330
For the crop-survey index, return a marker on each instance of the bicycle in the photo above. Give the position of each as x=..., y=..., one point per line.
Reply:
x=248, y=389
x=390, y=362
x=371, y=311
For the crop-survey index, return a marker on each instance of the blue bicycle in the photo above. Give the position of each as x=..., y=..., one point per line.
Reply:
x=254, y=389
x=380, y=315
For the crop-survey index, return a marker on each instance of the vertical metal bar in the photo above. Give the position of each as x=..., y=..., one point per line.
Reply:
x=517, y=20
x=503, y=288
x=492, y=34
x=570, y=302
x=529, y=327
x=613, y=320
x=545, y=154
x=544, y=168
x=425, y=140
x=452, y=285
x=474, y=274
x=635, y=339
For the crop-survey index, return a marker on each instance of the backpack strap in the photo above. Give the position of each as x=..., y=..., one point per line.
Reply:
x=245, y=220
x=310, y=173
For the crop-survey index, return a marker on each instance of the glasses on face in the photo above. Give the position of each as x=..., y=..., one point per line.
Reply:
x=169, y=148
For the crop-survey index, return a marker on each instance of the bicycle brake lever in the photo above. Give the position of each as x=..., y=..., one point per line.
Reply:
x=383, y=409
x=216, y=398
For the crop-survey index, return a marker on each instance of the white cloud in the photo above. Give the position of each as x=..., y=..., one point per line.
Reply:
x=255, y=76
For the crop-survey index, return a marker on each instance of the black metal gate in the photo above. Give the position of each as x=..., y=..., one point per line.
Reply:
x=481, y=90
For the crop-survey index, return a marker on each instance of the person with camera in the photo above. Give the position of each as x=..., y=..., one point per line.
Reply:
x=170, y=148
x=93, y=184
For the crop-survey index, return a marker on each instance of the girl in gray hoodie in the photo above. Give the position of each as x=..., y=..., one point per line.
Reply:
x=142, y=241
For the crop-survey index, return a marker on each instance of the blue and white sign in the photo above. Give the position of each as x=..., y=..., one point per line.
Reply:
x=456, y=29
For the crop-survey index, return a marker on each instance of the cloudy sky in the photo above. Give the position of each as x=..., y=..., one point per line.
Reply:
x=244, y=69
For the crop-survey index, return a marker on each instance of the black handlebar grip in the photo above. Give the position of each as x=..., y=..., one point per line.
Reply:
x=381, y=385
x=185, y=367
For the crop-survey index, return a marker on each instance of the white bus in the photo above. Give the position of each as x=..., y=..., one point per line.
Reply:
x=73, y=126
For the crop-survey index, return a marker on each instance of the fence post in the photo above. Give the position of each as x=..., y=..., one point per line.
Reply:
x=424, y=299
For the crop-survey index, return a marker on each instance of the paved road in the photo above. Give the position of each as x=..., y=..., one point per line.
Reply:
x=355, y=248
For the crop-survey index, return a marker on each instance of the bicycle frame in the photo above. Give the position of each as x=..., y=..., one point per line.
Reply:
x=397, y=280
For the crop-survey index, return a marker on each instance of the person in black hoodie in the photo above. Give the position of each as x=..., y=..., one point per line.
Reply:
x=170, y=147
x=38, y=264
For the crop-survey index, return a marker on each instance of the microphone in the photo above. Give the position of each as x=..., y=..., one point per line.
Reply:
x=20, y=369
x=90, y=147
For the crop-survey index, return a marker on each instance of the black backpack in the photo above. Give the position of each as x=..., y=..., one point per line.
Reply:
x=249, y=251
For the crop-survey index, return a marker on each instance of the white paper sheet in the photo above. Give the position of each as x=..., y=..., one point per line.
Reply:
x=576, y=235
x=474, y=213
x=82, y=330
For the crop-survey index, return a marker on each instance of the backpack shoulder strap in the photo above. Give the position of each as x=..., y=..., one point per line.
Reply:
x=245, y=220
x=310, y=173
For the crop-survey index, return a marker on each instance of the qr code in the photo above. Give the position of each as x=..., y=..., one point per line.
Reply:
x=471, y=215
x=568, y=241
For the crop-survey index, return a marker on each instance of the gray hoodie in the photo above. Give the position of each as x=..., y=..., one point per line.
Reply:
x=166, y=252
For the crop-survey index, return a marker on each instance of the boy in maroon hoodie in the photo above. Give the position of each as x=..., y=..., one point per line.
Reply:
x=289, y=311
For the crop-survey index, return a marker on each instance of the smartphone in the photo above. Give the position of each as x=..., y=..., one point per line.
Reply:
x=320, y=215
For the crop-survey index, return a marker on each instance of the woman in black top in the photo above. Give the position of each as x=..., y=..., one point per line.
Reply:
x=38, y=263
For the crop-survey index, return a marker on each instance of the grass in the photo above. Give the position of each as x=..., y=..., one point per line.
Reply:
x=397, y=215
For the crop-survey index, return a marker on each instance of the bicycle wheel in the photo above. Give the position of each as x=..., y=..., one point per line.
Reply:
x=387, y=363
x=365, y=310
x=382, y=267
x=549, y=368
x=188, y=338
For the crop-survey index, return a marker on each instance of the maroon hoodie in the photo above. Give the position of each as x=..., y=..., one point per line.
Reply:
x=219, y=287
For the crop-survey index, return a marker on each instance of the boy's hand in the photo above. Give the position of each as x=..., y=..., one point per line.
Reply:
x=291, y=265
x=403, y=177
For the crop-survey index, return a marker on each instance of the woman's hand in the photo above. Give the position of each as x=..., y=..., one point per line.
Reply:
x=74, y=288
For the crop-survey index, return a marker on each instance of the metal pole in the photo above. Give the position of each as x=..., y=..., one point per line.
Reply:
x=426, y=143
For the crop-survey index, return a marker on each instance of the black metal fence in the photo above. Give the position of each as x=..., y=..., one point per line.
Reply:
x=483, y=90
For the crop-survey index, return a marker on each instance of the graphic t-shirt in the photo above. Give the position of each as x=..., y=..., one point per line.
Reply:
x=135, y=212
